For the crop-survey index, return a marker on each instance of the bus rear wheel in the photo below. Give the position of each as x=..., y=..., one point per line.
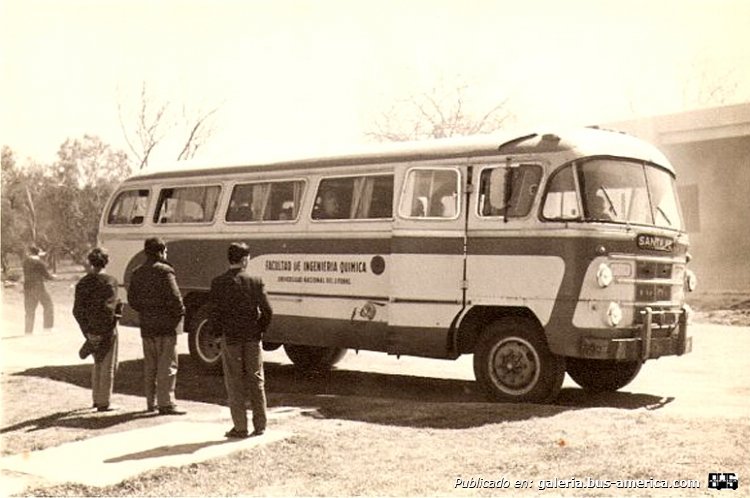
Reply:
x=204, y=343
x=602, y=375
x=313, y=358
x=513, y=363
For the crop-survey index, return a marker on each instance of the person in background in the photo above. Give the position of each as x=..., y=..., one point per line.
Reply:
x=600, y=209
x=154, y=294
x=330, y=207
x=241, y=314
x=35, y=273
x=96, y=309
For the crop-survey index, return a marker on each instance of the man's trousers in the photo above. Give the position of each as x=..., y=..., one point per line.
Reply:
x=243, y=377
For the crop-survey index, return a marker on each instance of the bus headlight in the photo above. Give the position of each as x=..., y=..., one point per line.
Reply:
x=604, y=275
x=614, y=314
x=691, y=280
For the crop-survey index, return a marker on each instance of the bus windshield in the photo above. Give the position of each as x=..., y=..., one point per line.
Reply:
x=621, y=191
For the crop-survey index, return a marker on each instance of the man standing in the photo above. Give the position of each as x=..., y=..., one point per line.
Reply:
x=96, y=309
x=154, y=294
x=34, y=274
x=241, y=314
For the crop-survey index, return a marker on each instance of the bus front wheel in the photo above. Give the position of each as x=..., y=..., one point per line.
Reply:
x=602, y=375
x=204, y=343
x=513, y=363
x=313, y=358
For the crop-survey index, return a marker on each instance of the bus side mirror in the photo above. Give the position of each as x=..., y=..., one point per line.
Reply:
x=497, y=188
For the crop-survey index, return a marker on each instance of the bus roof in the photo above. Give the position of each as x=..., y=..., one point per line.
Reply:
x=582, y=141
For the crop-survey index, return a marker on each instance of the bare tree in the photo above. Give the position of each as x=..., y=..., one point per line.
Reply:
x=703, y=82
x=149, y=128
x=200, y=131
x=437, y=114
x=153, y=123
x=705, y=88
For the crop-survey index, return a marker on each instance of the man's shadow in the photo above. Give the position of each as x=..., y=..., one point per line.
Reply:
x=82, y=418
x=354, y=395
x=167, y=450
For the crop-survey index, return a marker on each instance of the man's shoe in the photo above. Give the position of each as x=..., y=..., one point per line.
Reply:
x=258, y=432
x=105, y=408
x=171, y=410
x=236, y=434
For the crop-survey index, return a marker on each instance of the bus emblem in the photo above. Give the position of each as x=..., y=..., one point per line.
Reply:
x=655, y=243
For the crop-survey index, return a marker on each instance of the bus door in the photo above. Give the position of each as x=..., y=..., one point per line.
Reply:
x=509, y=261
x=427, y=259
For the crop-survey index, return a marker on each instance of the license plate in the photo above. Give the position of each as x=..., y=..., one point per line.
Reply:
x=594, y=348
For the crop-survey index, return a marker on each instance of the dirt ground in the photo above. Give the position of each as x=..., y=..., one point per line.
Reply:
x=731, y=308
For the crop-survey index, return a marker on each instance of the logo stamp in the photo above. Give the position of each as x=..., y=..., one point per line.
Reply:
x=723, y=480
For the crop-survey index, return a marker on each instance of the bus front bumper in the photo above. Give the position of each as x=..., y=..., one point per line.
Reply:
x=644, y=346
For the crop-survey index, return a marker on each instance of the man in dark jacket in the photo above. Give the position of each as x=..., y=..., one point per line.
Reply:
x=95, y=309
x=154, y=294
x=241, y=314
x=34, y=274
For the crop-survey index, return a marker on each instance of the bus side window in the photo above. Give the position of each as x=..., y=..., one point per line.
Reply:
x=283, y=201
x=372, y=197
x=381, y=198
x=265, y=201
x=355, y=197
x=187, y=204
x=430, y=193
x=129, y=208
x=333, y=199
x=241, y=204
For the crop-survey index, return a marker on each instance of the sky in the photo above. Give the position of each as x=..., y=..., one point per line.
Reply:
x=288, y=77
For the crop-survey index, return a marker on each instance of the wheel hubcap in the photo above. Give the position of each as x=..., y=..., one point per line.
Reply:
x=515, y=366
x=209, y=343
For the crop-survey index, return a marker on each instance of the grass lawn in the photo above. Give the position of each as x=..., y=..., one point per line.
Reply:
x=348, y=445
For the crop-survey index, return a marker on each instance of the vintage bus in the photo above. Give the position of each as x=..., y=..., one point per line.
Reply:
x=539, y=253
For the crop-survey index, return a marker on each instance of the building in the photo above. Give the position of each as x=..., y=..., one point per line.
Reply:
x=710, y=149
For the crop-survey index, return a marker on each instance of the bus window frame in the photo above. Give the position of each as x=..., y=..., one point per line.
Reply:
x=233, y=185
x=321, y=178
x=219, y=202
x=459, y=193
x=113, y=198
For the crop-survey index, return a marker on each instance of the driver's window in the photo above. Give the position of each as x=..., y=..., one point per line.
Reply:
x=524, y=179
x=561, y=201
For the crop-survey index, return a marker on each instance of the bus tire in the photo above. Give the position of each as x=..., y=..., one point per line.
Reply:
x=204, y=344
x=313, y=358
x=512, y=362
x=602, y=375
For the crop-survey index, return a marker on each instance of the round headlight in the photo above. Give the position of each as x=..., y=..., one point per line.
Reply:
x=691, y=280
x=604, y=275
x=614, y=314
